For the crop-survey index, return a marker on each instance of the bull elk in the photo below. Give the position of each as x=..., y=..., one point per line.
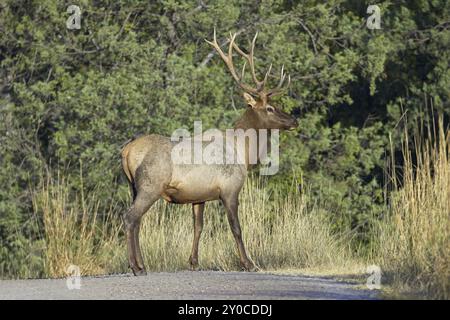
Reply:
x=153, y=174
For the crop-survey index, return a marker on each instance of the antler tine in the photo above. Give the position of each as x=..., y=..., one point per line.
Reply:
x=252, y=63
x=229, y=61
x=230, y=50
x=243, y=70
x=267, y=75
x=279, y=89
x=282, y=77
x=217, y=47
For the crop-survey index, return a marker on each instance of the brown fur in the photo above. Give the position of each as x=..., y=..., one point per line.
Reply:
x=148, y=166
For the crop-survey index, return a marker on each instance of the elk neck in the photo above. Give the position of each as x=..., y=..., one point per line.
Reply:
x=249, y=120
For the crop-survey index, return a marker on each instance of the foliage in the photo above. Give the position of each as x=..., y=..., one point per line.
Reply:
x=76, y=96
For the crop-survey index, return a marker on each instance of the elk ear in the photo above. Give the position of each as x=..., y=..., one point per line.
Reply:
x=249, y=100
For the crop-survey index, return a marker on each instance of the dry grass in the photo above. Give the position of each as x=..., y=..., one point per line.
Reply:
x=75, y=232
x=414, y=244
x=279, y=231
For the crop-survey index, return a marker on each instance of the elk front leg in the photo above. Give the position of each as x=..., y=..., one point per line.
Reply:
x=231, y=206
x=197, y=214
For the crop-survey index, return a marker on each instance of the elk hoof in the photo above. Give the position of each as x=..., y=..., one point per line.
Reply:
x=193, y=264
x=249, y=266
x=139, y=272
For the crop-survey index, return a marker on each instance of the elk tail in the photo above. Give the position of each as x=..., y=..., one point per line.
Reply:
x=126, y=169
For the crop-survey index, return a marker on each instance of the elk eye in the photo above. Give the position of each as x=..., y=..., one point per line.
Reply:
x=270, y=109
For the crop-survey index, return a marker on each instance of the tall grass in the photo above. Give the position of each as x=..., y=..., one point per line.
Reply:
x=75, y=231
x=280, y=232
x=414, y=244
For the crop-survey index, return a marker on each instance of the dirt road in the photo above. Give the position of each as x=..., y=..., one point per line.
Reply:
x=188, y=285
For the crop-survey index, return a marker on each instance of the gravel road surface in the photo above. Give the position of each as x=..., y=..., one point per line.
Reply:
x=188, y=285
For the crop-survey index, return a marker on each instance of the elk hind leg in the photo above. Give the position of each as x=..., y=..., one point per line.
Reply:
x=132, y=219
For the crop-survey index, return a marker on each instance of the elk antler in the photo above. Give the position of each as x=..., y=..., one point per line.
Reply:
x=260, y=89
x=228, y=59
x=280, y=89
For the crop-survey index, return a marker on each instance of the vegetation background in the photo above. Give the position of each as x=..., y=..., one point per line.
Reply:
x=70, y=99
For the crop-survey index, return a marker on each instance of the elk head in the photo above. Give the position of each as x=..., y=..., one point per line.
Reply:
x=261, y=114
